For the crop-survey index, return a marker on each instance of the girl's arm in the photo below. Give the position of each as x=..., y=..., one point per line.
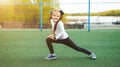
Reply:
x=52, y=34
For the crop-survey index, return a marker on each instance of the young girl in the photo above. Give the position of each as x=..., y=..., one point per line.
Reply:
x=58, y=35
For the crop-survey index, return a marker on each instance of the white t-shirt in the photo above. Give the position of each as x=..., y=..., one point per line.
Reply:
x=60, y=32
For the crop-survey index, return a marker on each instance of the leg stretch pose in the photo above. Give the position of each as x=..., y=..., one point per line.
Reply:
x=59, y=35
x=68, y=42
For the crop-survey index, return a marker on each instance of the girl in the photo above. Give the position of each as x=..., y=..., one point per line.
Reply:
x=58, y=35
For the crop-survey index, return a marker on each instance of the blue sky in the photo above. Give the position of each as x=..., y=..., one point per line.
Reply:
x=81, y=6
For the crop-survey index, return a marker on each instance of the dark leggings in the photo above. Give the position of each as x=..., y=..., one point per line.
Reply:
x=67, y=42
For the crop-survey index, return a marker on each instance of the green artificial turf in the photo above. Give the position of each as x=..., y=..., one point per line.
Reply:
x=27, y=48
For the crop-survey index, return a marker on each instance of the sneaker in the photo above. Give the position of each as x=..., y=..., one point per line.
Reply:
x=92, y=56
x=51, y=57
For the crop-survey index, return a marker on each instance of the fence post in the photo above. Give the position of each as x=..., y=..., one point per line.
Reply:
x=88, y=15
x=40, y=15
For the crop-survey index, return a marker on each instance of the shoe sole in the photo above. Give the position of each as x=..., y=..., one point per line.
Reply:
x=50, y=58
x=93, y=58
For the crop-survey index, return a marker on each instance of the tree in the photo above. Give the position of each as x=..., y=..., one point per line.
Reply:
x=26, y=12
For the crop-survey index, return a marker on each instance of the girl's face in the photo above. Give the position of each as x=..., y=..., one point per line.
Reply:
x=56, y=16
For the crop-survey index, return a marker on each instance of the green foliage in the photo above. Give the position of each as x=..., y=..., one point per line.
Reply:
x=105, y=13
x=110, y=13
x=26, y=12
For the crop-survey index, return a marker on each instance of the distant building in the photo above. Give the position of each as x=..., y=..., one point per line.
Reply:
x=107, y=20
x=95, y=21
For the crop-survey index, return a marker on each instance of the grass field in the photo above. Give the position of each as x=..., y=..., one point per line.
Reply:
x=27, y=48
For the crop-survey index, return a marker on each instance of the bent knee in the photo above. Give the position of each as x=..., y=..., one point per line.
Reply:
x=48, y=39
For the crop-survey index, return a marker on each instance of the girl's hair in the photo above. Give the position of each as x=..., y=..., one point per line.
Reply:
x=61, y=16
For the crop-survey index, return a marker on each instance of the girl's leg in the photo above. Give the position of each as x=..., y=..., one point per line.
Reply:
x=71, y=44
x=67, y=42
x=52, y=55
x=49, y=42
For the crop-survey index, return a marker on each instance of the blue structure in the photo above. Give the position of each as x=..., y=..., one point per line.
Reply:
x=88, y=15
x=40, y=15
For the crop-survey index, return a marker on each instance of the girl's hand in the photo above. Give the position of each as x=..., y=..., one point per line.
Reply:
x=51, y=36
